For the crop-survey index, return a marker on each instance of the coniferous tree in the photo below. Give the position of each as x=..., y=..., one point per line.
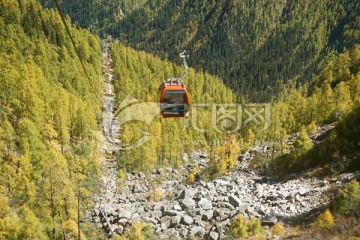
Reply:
x=302, y=143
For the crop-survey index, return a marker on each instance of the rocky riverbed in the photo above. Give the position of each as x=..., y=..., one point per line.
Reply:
x=205, y=209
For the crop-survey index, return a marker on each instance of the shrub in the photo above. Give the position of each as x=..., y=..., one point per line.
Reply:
x=139, y=231
x=158, y=195
x=325, y=220
x=121, y=174
x=70, y=228
x=278, y=230
x=118, y=237
x=171, y=194
x=196, y=169
x=302, y=143
x=254, y=226
x=311, y=128
x=240, y=228
x=237, y=227
x=221, y=167
x=348, y=202
x=354, y=238
x=191, y=178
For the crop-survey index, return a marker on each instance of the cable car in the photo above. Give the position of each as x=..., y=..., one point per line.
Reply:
x=173, y=95
x=174, y=99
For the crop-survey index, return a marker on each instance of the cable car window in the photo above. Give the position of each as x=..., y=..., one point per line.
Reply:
x=174, y=96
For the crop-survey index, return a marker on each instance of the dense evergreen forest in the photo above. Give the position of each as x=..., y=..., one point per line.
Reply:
x=48, y=111
x=259, y=49
x=333, y=94
x=99, y=16
x=303, y=57
x=254, y=46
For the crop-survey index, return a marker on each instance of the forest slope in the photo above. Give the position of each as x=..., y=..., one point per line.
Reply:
x=48, y=111
x=49, y=107
x=254, y=46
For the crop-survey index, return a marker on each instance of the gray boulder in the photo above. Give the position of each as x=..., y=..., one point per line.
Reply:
x=176, y=220
x=213, y=235
x=165, y=222
x=197, y=231
x=207, y=215
x=183, y=232
x=269, y=220
x=187, y=220
x=157, y=206
x=235, y=201
x=205, y=204
x=170, y=232
x=125, y=213
x=187, y=193
x=188, y=203
x=302, y=191
x=177, y=207
x=170, y=213
x=96, y=212
x=150, y=220
x=225, y=205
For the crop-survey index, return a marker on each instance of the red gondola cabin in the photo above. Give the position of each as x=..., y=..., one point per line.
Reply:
x=174, y=99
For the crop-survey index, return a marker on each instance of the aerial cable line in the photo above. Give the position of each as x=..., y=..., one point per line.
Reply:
x=159, y=71
x=76, y=50
x=153, y=75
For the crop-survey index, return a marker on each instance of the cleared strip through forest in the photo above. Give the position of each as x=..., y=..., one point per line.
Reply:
x=110, y=132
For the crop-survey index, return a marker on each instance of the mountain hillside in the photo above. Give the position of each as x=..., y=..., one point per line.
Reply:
x=186, y=182
x=100, y=16
x=324, y=100
x=85, y=153
x=48, y=110
x=254, y=46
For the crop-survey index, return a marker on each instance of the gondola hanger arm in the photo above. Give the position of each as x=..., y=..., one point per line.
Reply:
x=179, y=80
x=183, y=56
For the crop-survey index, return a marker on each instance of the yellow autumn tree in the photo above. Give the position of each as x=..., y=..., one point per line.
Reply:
x=228, y=153
x=325, y=220
x=191, y=178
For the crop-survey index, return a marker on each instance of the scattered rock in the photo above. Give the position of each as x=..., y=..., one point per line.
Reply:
x=175, y=221
x=123, y=213
x=188, y=203
x=165, y=222
x=170, y=213
x=150, y=220
x=186, y=194
x=205, y=204
x=213, y=235
x=302, y=191
x=235, y=201
x=269, y=220
x=177, y=208
x=207, y=215
x=197, y=231
x=187, y=220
